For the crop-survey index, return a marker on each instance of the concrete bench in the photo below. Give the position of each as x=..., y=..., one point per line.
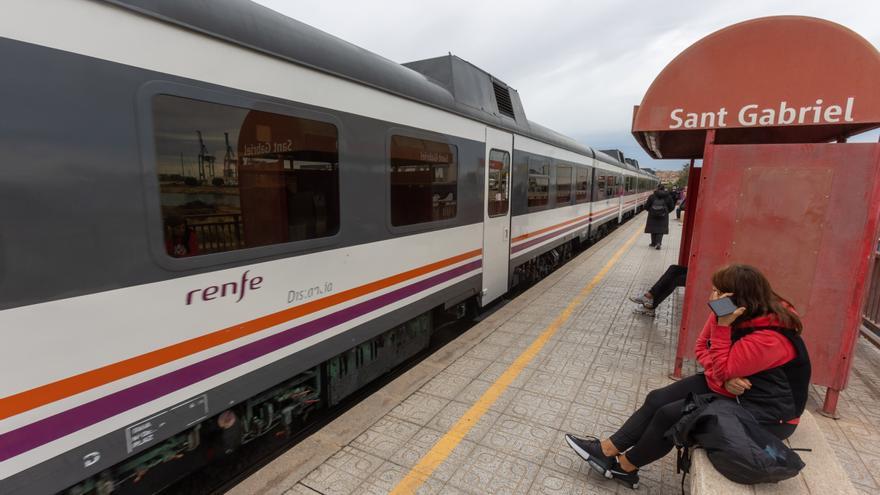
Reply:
x=823, y=475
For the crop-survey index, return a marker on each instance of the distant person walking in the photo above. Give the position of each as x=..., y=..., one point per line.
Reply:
x=659, y=204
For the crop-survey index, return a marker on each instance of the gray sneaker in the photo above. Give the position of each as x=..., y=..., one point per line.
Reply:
x=641, y=300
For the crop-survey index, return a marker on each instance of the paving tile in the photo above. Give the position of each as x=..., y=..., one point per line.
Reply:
x=422, y=443
x=354, y=462
x=551, y=482
x=539, y=409
x=446, y=385
x=470, y=367
x=551, y=385
x=477, y=388
x=385, y=437
x=300, y=489
x=495, y=370
x=490, y=471
x=859, y=465
x=520, y=438
x=485, y=350
x=419, y=408
x=389, y=475
x=450, y=415
x=581, y=420
x=329, y=480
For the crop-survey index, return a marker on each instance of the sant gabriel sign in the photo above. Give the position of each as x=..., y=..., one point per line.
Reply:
x=810, y=79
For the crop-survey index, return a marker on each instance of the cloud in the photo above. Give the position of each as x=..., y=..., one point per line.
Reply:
x=579, y=66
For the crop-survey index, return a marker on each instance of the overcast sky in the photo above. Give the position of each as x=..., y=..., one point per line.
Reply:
x=579, y=66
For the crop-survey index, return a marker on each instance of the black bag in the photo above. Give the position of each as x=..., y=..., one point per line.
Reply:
x=736, y=444
x=657, y=209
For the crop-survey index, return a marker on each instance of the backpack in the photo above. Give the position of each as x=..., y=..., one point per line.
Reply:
x=657, y=209
x=736, y=444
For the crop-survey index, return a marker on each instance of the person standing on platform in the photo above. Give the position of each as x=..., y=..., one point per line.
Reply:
x=681, y=205
x=659, y=204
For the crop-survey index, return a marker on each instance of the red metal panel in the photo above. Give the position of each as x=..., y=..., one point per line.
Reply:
x=806, y=216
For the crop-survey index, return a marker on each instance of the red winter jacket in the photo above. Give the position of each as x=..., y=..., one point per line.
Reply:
x=755, y=352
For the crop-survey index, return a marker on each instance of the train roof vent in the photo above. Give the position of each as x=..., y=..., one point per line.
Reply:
x=502, y=97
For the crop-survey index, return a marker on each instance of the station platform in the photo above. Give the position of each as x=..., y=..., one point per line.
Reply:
x=487, y=412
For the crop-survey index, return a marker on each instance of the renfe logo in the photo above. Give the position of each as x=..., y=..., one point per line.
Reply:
x=228, y=289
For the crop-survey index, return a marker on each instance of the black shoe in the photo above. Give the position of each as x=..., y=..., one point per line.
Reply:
x=590, y=450
x=651, y=245
x=657, y=247
x=631, y=479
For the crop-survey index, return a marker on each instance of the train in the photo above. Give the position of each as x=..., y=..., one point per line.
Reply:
x=219, y=220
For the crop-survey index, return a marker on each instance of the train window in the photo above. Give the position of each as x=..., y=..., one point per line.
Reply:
x=424, y=180
x=233, y=178
x=611, y=186
x=630, y=187
x=582, y=185
x=499, y=175
x=600, y=185
x=563, y=185
x=539, y=182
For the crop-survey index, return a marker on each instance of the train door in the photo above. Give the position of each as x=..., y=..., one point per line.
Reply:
x=619, y=191
x=496, y=215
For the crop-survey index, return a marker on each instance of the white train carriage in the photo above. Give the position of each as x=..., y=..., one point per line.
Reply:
x=215, y=223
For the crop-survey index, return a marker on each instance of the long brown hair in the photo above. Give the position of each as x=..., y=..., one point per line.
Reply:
x=751, y=290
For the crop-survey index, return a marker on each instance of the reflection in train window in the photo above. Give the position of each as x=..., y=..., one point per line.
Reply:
x=499, y=176
x=582, y=185
x=539, y=182
x=424, y=181
x=563, y=185
x=232, y=178
x=611, y=186
x=600, y=185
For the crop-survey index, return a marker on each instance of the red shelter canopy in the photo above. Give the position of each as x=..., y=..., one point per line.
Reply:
x=770, y=80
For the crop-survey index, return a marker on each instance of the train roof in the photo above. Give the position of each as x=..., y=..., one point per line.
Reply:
x=446, y=82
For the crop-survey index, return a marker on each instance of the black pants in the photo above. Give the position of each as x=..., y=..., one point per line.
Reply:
x=674, y=276
x=656, y=239
x=642, y=436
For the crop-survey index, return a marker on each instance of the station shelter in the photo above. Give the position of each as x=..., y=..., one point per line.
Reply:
x=768, y=105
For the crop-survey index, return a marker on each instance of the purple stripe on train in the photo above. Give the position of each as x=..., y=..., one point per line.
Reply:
x=54, y=427
x=543, y=238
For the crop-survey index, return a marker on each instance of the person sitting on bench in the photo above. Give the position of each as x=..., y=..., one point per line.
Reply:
x=674, y=276
x=756, y=356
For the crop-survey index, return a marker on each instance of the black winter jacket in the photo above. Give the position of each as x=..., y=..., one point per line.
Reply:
x=659, y=225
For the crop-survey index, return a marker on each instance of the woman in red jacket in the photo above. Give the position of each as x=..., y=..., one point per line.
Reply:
x=755, y=355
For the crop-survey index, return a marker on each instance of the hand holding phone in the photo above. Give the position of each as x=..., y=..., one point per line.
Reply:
x=726, y=310
x=722, y=306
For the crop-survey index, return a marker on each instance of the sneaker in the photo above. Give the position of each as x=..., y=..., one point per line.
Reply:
x=640, y=300
x=590, y=450
x=625, y=477
x=644, y=310
x=657, y=247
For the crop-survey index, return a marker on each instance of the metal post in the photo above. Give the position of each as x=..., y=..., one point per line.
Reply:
x=691, y=218
x=829, y=408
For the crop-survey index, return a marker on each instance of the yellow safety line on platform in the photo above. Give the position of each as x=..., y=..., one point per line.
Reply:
x=420, y=473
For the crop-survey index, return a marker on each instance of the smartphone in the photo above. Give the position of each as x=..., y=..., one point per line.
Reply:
x=723, y=306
